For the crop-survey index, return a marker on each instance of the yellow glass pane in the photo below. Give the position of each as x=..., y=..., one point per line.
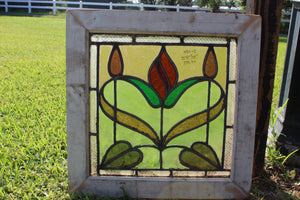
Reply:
x=188, y=60
x=221, y=54
x=138, y=59
x=103, y=63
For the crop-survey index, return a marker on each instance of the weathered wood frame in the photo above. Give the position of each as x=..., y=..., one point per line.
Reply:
x=246, y=29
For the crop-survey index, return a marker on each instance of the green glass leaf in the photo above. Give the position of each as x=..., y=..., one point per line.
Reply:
x=177, y=92
x=116, y=149
x=200, y=156
x=147, y=91
x=121, y=155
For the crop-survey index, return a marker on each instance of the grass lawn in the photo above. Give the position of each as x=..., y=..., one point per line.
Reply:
x=33, y=158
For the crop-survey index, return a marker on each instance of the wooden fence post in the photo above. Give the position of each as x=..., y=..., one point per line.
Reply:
x=270, y=11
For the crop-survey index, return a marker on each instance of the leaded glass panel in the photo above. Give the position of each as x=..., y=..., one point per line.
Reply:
x=165, y=105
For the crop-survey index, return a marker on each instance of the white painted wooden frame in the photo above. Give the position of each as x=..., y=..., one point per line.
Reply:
x=246, y=29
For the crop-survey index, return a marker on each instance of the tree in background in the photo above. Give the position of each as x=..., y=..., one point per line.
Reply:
x=213, y=4
x=185, y=2
x=287, y=5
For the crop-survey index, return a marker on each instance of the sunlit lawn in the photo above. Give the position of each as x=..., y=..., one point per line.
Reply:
x=33, y=155
x=33, y=158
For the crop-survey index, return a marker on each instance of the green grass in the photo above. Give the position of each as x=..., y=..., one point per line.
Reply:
x=278, y=73
x=33, y=158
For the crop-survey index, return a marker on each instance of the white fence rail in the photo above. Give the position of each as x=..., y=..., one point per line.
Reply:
x=63, y=5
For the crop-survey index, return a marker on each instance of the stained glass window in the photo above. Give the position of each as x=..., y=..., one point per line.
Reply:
x=161, y=106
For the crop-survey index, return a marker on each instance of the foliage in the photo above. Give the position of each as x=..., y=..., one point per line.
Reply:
x=287, y=5
x=279, y=181
x=185, y=2
x=274, y=157
x=213, y=4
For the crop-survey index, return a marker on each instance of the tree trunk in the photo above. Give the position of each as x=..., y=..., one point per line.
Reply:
x=270, y=11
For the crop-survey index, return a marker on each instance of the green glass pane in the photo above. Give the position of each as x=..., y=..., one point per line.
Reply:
x=216, y=134
x=170, y=100
x=171, y=159
x=148, y=92
x=150, y=158
x=134, y=138
x=187, y=139
x=192, y=101
x=131, y=100
x=215, y=93
x=105, y=134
